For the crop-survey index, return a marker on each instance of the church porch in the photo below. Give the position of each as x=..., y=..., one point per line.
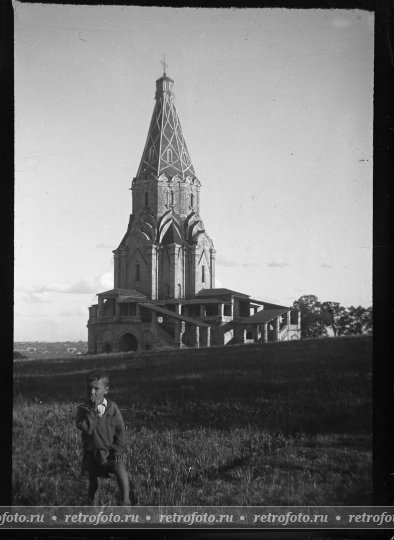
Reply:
x=270, y=325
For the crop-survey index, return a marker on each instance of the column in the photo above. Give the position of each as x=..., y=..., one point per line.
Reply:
x=99, y=344
x=212, y=267
x=235, y=307
x=92, y=339
x=221, y=310
x=197, y=336
x=151, y=252
x=258, y=332
x=208, y=336
x=159, y=273
x=193, y=269
x=177, y=333
x=172, y=251
x=122, y=284
x=299, y=318
x=265, y=332
x=277, y=328
x=184, y=199
x=198, y=200
x=100, y=306
x=183, y=266
x=288, y=320
x=116, y=269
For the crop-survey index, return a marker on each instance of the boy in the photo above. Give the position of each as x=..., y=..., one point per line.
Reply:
x=103, y=438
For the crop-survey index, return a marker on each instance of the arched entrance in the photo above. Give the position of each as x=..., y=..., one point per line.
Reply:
x=128, y=342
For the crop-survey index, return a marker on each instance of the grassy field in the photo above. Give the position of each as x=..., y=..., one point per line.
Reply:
x=276, y=424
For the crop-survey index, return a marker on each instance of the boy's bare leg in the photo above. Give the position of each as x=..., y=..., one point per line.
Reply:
x=123, y=482
x=93, y=485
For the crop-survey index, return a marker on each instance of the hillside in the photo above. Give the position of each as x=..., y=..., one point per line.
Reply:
x=282, y=423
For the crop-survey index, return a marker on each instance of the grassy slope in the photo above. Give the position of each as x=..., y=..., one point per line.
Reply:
x=286, y=423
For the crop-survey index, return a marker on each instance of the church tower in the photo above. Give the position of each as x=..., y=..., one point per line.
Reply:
x=165, y=253
x=164, y=291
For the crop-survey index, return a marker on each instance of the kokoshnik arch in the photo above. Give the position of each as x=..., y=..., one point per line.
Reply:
x=164, y=291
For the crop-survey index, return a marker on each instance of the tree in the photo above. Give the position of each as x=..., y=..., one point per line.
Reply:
x=355, y=321
x=331, y=313
x=317, y=316
x=367, y=320
x=311, y=323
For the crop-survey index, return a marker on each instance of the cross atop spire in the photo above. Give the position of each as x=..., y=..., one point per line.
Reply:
x=163, y=62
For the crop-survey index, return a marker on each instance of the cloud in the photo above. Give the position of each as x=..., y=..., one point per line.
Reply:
x=278, y=263
x=325, y=265
x=37, y=297
x=226, y=261
x=33, y=296
x=88, y=285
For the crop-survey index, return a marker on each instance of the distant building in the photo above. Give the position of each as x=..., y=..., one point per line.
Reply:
x=164, y=291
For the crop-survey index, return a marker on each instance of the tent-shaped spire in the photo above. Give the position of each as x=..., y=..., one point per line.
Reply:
x=165, y=149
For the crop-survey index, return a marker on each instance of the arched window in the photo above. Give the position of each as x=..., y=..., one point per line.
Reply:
x=146, y=199
x=137, y=272
x=171, y=198
x=203, y=274
x=191, y=200
x=169, y=155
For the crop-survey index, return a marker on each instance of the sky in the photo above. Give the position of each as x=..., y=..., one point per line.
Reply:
x=276, y=107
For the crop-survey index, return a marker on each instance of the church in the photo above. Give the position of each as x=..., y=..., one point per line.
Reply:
x=164, y=293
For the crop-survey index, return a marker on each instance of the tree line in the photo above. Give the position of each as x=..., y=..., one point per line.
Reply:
x=318, y=317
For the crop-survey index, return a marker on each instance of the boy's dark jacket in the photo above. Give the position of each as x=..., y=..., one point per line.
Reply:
x=103, y=436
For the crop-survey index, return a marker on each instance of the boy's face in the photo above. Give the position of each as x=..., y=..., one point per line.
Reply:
x=96, y=391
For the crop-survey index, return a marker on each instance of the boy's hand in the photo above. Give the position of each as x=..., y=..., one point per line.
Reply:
x=93, y=403
x=85, y=408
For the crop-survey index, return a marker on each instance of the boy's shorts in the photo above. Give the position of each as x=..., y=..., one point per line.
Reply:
x=90, y=465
